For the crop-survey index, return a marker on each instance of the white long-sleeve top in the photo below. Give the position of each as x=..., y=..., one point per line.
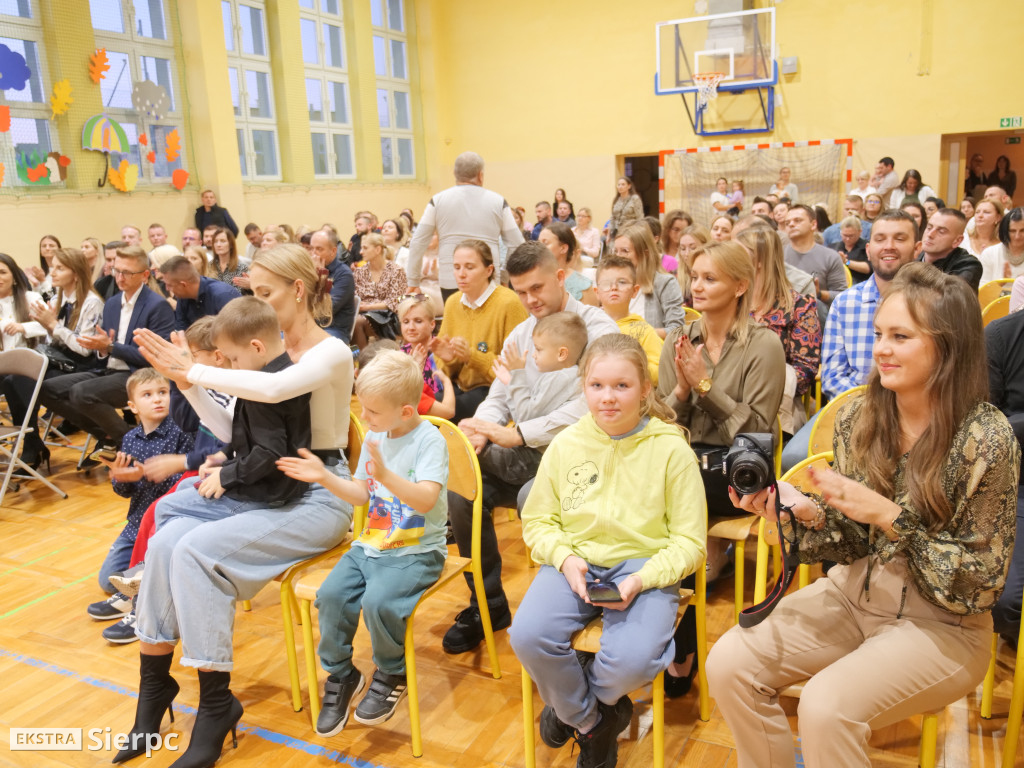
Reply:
x=32, y=328
x=88, y=317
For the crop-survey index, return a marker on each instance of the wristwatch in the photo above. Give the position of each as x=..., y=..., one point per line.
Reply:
x=703, y=386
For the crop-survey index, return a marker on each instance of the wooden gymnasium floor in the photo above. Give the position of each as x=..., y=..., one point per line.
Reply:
x=56, y=670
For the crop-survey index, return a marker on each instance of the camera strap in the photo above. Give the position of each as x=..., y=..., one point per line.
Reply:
x=751, y=617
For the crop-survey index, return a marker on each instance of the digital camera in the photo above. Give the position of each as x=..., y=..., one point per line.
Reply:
x=749, y=465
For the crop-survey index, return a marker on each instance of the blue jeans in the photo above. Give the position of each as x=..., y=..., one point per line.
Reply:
x=208, y=554
x=636, y=644
x=387, y=589
x=118, y=558
x=798, y=447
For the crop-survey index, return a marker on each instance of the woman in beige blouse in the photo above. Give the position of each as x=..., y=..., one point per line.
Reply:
x=380, y=286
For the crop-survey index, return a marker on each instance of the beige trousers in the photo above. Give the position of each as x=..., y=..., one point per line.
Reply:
x=871, y=663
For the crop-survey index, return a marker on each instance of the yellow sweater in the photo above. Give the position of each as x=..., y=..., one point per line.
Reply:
x=485, y=329
x=642, y=331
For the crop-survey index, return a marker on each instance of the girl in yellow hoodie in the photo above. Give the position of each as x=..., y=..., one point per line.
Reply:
x=619, y=500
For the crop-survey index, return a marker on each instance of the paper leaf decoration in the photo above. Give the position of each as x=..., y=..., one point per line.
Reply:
x=124, y=177
x=5, y=119
x=179, y=179
x=150, y=98
x=61, y=99
x=173, y=146
x=14, y=72
x=143, y=139
x=57, y=164
x=1, y=174
x=31, y=168
x=98, y=65
x=151, y=156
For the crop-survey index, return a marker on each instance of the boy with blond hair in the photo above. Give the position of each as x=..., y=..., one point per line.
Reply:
x=401, y=472
x=616, y=288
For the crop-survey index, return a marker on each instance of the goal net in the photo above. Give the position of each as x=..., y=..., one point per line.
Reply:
x=820, y=170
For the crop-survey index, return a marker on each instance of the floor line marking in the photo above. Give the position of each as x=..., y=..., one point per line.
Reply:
x=32, y=562
x=30, y=603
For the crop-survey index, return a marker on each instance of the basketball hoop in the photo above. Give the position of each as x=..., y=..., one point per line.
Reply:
x=707, y=84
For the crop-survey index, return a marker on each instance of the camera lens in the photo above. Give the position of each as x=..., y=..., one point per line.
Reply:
x=750, y=474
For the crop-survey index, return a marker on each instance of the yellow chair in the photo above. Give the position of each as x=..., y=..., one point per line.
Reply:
x=464, y=479
x=821, y=432
x=1016, y=705
x=993, y=289
x=995, y=309
x=690, y=314
x=289, y=605
x=849, y=276
x=800, y=477
x=588, y=640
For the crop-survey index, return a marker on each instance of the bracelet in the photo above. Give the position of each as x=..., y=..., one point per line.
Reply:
x=890, y=534
x=818, y=521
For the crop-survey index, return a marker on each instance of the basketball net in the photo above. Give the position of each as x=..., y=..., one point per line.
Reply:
x=707, y=84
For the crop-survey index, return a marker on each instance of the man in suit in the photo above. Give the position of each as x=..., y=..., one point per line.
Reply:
x=91, y=398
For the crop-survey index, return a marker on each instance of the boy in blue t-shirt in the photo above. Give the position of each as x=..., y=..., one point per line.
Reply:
x=402, y=473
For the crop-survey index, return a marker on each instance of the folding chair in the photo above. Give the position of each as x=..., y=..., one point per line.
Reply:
x=32, y=365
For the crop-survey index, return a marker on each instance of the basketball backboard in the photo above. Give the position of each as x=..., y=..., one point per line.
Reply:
x=740, y=45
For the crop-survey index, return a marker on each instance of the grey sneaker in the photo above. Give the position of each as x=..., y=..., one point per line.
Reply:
x=338, y=695
x=380, y=702
x=128, y=582
x=123, y=632
x=114, y=607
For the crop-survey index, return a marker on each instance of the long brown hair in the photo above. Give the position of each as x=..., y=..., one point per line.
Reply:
x=765, y=247
x=667, y=223
x=946, y=310
x=629, y=349
x=232, y=249
x=648, y=261
x=75, y=260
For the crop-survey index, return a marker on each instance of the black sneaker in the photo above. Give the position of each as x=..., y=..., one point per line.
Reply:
x=382, y=699
x=338, y=695
x=114, y=607
x=128, y=582
x=600, y=747
x=468, y=631
x=123, y=632
x=553, y=731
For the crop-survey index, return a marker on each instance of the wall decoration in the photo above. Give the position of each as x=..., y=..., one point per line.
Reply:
x=14, y=72
x=151, y=99
x=151, y=156
x=124, y=177
x=5, y=119
x=98, y=65
x=179, y=179
x=57, y=164
x=173, y=146
x=61, y=99
x=1, y=174
x=103, y=134
x=31, y=168
x=144, y=139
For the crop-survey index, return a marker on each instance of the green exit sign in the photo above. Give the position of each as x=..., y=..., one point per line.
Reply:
x=1013, y=140
x=1011, y=122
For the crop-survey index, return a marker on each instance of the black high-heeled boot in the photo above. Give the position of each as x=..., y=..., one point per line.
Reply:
x=157, y=690
x=219, y=713
x=34, y=452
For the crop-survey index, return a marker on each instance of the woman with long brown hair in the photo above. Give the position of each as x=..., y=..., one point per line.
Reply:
x=627, y=207
x=659, y=301
x=919, y=512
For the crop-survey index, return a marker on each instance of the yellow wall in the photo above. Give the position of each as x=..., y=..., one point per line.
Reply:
x=553, y=95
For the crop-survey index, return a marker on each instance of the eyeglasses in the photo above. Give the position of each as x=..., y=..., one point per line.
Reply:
x=621, y=284
x=116, y=272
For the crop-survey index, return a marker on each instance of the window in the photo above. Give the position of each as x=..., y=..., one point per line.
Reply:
x=327, y=88
x=252, y=92
x=394, y=101
x=29, y=140
x=141, y=55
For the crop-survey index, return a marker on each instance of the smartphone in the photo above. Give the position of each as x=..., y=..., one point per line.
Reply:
x=602, y=592
x=107, y=454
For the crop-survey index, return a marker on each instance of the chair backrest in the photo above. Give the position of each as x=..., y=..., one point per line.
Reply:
x=690, y=314
x=355, y=316
x=821, y=433
x=356, y=437
x=993, y=289
x=995, y=310
x=463, y=467
x=23, y=362
x=849, y=276
x=777, y=453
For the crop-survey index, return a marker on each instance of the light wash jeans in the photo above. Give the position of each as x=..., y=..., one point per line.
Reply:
x=118, y=558
x=207, y=554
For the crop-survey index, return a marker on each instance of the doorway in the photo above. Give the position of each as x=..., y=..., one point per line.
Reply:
x=959, y=148
x=643, y=170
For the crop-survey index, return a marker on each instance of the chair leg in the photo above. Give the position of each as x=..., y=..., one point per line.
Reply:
x=247, y=605
x=287, y=604
x=1016, y=707
x=777, y=561
x=529, y=737
x=310, y=654
x=700, y=605
x=658, y=726
x=740, y=552
x=929, y=738
x=761, y=570
x=988, y=688
x=412, y=688
x=485, y=620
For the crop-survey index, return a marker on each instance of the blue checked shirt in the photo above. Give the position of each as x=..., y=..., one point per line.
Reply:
x=166, y=438
x=849, y=336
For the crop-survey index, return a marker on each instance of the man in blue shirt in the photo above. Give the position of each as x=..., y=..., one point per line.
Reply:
x=846, y=358
x=196, y=296
x=324, y=247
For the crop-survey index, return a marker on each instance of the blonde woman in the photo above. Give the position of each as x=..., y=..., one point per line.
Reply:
x=587, y=236
x=659, y=301
x=380, y=285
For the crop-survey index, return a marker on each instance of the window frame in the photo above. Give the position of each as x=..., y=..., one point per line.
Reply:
x=391, y=135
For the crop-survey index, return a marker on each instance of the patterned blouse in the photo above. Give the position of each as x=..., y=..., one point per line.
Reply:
x=229, y=274
x=961, y=568
x=800, y=332
x=625, y=212
x=389, y=289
